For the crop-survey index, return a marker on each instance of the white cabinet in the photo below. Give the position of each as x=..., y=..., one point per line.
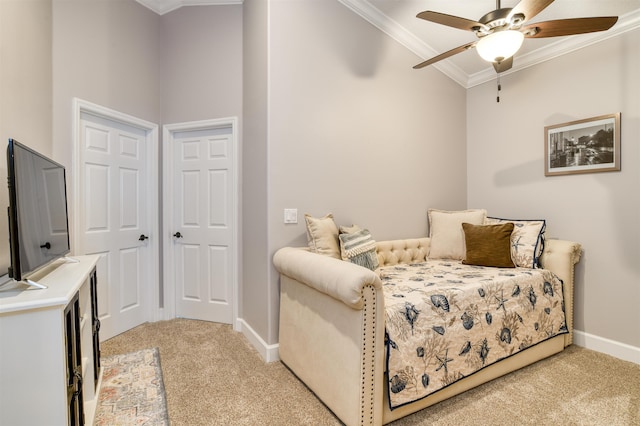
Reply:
x=49, y=350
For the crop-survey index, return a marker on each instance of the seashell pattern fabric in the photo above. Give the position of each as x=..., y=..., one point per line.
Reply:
x=457, y=319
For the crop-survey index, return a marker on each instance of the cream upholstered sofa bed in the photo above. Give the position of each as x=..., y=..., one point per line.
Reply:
x=332, y=328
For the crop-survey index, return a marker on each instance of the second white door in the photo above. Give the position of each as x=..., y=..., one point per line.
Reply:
x=203, y=224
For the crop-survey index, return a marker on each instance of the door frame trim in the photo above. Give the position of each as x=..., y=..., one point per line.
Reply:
x=167, y=209
x=80, y=106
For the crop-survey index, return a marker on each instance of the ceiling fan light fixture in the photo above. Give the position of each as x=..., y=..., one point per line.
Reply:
x=499, y=45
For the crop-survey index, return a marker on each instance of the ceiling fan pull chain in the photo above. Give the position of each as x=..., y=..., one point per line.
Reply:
x=499, y=88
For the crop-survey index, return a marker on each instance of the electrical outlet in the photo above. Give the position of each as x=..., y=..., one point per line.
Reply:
x=290, y=215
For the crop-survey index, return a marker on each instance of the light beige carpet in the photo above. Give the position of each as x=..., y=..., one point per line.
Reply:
x=212, y=376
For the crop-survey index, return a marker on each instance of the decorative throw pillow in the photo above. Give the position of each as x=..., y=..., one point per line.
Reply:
x=322, y=235
x=349, y=229
x=527, y=240
x=358, y=247
x=488, y=245
x=445, y=231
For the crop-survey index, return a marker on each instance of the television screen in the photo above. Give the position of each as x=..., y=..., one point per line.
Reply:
x=38, y=222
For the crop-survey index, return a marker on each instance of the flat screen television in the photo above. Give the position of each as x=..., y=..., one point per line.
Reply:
x=38, y=217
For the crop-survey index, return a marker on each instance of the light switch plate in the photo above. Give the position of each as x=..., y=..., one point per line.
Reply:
x=290, y=215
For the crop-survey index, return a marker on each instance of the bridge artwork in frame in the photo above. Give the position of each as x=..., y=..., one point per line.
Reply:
x=583, y=146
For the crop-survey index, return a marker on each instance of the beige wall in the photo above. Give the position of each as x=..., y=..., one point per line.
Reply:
x=256, y=263
x=107, y=53
x=354, y=130
x=25, y=90
x=601, y=210
x=201, y=63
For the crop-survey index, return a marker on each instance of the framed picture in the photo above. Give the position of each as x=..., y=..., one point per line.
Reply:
x=583, y=146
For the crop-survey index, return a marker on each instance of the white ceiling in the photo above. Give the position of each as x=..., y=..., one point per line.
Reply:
x=398, y=19
x=165, y=6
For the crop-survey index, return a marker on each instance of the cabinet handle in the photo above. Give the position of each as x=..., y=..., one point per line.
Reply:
x=78, y=376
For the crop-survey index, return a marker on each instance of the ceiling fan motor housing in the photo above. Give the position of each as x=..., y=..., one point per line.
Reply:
x=498, y=20
x=495, y=18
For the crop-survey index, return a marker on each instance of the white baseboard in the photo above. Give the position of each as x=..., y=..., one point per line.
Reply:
x=268, y=352
x=600, y=344
x=607, y=346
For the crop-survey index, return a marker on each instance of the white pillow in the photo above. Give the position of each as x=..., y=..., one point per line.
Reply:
x=446, y=233
x=322, y=235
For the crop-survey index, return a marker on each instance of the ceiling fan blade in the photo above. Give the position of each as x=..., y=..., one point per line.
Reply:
x=449, y=20
x=564, y=27
x=445, y=55
x=503, y=66
x=529, y=8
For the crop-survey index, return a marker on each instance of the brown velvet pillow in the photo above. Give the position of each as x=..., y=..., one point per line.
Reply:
x=488, y=245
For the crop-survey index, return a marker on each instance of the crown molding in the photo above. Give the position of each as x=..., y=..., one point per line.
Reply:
x=366, y=10
x=165, y=6
x=393, y=29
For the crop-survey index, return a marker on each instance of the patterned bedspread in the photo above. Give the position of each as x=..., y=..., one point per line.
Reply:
x=446, y=320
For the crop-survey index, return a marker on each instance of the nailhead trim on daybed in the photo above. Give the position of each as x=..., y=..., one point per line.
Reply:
x=576, y=253
x=368, y=354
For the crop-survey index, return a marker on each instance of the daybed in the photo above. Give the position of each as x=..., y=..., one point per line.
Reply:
x=332, y=327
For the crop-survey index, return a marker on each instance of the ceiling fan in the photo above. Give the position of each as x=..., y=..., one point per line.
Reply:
x=501, y=32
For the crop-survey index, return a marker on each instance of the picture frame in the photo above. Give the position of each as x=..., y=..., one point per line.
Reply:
x=583, y=146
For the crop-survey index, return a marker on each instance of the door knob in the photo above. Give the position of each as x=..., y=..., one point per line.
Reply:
x=143, y=237
x=177, y=235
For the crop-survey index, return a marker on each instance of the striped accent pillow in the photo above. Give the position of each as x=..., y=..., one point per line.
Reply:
x=359, y=248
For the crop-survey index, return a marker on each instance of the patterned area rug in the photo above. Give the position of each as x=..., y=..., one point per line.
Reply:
x=132, y=391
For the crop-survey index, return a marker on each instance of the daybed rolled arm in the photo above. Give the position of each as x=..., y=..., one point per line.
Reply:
x=555, y=255
x=332, y=332
x=560, y=256
x=341, y=280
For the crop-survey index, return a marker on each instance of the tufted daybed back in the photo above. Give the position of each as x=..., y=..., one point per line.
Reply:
x=396, y=252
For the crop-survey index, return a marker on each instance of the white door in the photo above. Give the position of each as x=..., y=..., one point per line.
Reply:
x=202, y=224
x=115, y=202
